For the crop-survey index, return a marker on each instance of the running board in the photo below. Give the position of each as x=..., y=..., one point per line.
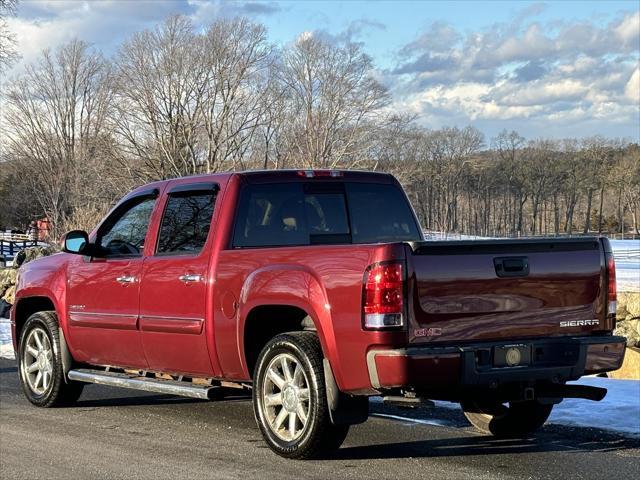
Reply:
x=135, y=382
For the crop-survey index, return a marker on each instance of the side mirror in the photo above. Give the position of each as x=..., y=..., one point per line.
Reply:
x=76, y=241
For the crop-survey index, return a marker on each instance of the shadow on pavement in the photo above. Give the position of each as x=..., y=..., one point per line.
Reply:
x=150, y=400
x=476, y=445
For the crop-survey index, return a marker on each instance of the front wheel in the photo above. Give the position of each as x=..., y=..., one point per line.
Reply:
x=289, y=398
x=40, y=363
x=515, y=420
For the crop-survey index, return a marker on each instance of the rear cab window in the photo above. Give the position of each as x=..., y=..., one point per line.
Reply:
x=322, y=213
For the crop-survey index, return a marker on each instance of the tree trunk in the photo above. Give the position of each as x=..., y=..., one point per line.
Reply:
x=556, y=214
x=587, y=220
x=600, y=216
x=620, y=214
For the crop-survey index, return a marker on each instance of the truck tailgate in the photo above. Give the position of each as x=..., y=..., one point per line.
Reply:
x=465, y=291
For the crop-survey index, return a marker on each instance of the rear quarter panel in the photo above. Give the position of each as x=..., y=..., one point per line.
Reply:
x=325, y=281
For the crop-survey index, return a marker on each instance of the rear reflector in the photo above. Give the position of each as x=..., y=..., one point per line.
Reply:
x=383, y=296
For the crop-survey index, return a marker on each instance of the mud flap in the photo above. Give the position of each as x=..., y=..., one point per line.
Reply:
x=67, y=361
x=344, y=409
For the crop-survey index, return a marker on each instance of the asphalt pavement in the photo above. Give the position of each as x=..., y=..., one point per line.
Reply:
x=124, y=434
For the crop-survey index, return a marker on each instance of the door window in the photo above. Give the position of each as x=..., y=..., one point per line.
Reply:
x=124, y=232
x=186, y=223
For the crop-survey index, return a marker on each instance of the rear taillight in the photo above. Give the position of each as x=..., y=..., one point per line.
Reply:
x=612, y=292
x=383, y=296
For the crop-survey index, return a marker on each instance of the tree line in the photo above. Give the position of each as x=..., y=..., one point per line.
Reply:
x=80, y=129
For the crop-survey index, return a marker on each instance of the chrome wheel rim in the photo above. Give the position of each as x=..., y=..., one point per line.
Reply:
x=37, y=361
x=285, y=397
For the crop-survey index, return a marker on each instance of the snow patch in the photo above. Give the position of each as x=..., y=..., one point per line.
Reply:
x=619, y=411
x=627, y=256
x=419, y=421
x=6, y=347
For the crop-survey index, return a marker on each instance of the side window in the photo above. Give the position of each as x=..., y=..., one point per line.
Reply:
x=380, y=213
x=186, y=222
x=289, y=214
x=326, y=214
x=124, y=232
x=271, y=215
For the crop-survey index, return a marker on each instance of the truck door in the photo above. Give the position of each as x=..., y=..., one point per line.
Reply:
x=175, y=283
x=102, y=293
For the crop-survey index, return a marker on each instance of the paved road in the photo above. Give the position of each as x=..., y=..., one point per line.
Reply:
x=114, y=433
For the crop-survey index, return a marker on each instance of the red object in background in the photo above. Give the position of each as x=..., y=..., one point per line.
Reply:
x=42, y=229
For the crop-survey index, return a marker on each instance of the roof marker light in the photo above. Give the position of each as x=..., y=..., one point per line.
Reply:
x=319, y=173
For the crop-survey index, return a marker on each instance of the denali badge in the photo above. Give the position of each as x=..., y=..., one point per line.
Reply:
x=579, y=323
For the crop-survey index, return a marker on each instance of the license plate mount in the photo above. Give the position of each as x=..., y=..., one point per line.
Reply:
x=518, y=355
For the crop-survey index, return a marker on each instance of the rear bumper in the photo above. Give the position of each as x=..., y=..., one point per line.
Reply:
x=438, y=368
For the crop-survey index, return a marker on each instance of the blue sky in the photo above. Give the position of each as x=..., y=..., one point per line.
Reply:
x=559, y=69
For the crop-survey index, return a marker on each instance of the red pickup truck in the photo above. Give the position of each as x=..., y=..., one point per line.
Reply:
x=316, y=290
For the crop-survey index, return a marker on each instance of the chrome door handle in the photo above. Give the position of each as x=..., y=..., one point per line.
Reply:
x=126, y=279
x=188, y=278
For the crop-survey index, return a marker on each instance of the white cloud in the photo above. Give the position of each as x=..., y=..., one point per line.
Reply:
x=41, y=25
x=632, y=89
x=32, y=37
x=554, y=75
x=628, y=30
x=107, y=23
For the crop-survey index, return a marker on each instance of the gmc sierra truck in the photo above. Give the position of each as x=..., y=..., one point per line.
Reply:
x=316, y=290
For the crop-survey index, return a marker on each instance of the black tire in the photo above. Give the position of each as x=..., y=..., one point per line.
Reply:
x=319, y=436
x=57, y=393
x=516, y=420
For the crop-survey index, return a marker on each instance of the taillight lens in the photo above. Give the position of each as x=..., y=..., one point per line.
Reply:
x=612, y=292
x=383, y=296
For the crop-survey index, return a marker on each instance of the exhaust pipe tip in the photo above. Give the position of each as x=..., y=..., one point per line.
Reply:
x=586, y=392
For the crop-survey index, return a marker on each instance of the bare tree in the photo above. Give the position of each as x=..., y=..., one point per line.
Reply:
x=624, y=178
x=446, y=156
x=333, y=102
x=8, y=51
x=186, y=102
x=509, y=146
x=156, y=99
x=55, y=124
x=79, y=130
x=238, y=60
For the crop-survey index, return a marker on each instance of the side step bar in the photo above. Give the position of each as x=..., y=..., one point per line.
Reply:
x=170, y=387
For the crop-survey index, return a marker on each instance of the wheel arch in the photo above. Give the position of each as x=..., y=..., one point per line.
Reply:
x=263, y=322
x=280, y=297
x=27, y=306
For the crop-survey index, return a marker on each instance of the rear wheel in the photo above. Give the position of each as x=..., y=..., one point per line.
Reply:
x=513, y=420
x=40, y=363
x=289, y=398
